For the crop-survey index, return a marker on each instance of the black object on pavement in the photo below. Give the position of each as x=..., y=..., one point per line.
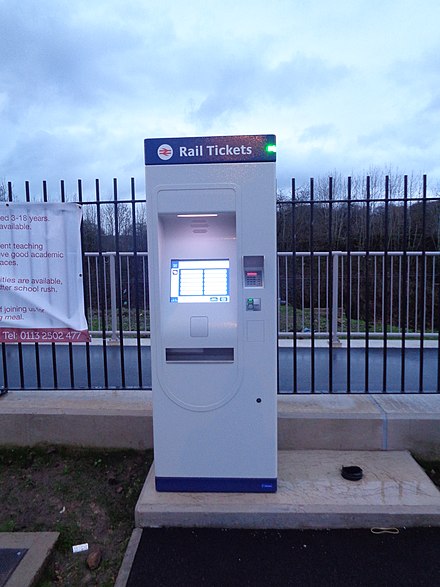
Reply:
x=352, y=473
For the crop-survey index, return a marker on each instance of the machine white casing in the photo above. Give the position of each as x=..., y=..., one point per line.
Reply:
x=214, y=365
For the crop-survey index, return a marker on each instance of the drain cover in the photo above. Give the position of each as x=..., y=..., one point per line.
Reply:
x=9, y=559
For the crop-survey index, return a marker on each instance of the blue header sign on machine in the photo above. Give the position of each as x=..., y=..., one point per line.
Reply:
x=236, y=149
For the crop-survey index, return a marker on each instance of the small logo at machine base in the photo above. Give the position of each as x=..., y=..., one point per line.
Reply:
x=165, y=152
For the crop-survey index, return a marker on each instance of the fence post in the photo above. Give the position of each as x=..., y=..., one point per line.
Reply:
x=112, y=258
x=334, y=339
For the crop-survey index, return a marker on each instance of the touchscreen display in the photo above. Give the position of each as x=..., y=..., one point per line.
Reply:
x=199, y=280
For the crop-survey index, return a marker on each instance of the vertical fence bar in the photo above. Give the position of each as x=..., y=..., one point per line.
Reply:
x=20, y=345
x=53, y=346
x=303, y=304
x=405, y=280
x=408, y=292
x=4, y=358
x=136, y=277
x=416, y=291
x=294, y=290
x=335, y=297
x=113, y=303
x=99, y=287
x=103, y=301
x=89, y=294
x=423, y=287
x=126, y=291
x=37, y=346
x=391, y=292
x=438, y=339
x=88, y=363
x=385, y=286
x=433, y=295
x=358, y=301
x=118, y=284
x=349, y=271
x=318, y=292
x=287, y=296
x=399, y=297
x=367, y=284
x=70, y=345
x=341, y=297
x=375, y=294
x=331, y=296
x=107, y=284
x=327, y=295
x=312, y=289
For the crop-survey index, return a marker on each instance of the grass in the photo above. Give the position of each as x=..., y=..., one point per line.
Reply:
x=128, y=318
x=322, y=316
x=85, y=495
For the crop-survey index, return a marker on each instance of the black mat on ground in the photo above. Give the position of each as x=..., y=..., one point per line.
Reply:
x=9, y=559
x=208, y=556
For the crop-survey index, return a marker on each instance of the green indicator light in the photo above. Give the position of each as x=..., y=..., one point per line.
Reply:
x=271, y=148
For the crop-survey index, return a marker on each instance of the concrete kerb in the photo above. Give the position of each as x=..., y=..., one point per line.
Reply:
x=130, y=553
x=123, y=419
x=38, y=545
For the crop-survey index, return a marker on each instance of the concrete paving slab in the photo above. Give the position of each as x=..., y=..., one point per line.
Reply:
x=38, y=545
x=331, y=422
x=394, y=491
x=359, y=406
x=412, y=422
x=76, y=402
x=404, y=406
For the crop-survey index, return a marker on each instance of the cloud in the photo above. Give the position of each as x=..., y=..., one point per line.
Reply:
x=248, y=81
x=342, y=85
x=317, y=132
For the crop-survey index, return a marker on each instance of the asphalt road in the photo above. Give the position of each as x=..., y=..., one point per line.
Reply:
x=219, y=557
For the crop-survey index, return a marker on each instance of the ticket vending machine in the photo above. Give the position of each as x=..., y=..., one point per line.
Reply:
x=213, y=291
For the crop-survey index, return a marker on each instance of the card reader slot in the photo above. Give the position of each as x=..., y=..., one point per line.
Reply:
x=199, y=355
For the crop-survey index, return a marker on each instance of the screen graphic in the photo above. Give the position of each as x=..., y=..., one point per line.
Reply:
x=199, y=280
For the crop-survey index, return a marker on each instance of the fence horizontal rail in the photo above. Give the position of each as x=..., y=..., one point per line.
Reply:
x=343, y=287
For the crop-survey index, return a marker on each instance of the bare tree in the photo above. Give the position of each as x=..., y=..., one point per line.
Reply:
x=5, y=190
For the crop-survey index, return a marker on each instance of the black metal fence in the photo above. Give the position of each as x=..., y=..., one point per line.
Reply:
x=359, y=295
x=116, y=224
x=381, y=297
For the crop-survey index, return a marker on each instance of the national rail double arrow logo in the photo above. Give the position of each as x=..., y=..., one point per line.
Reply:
x=165, y=152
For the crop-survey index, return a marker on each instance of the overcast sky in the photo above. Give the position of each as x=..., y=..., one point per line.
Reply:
x=345, y=85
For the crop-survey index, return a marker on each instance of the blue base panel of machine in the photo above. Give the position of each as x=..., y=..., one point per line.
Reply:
x=216, y=485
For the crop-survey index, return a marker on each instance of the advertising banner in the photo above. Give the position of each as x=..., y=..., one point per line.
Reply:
x=41, y=282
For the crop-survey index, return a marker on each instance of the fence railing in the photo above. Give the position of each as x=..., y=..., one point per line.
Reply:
x=103, y=308
x=402, y=293
x=400, y=297
x=370, y=270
